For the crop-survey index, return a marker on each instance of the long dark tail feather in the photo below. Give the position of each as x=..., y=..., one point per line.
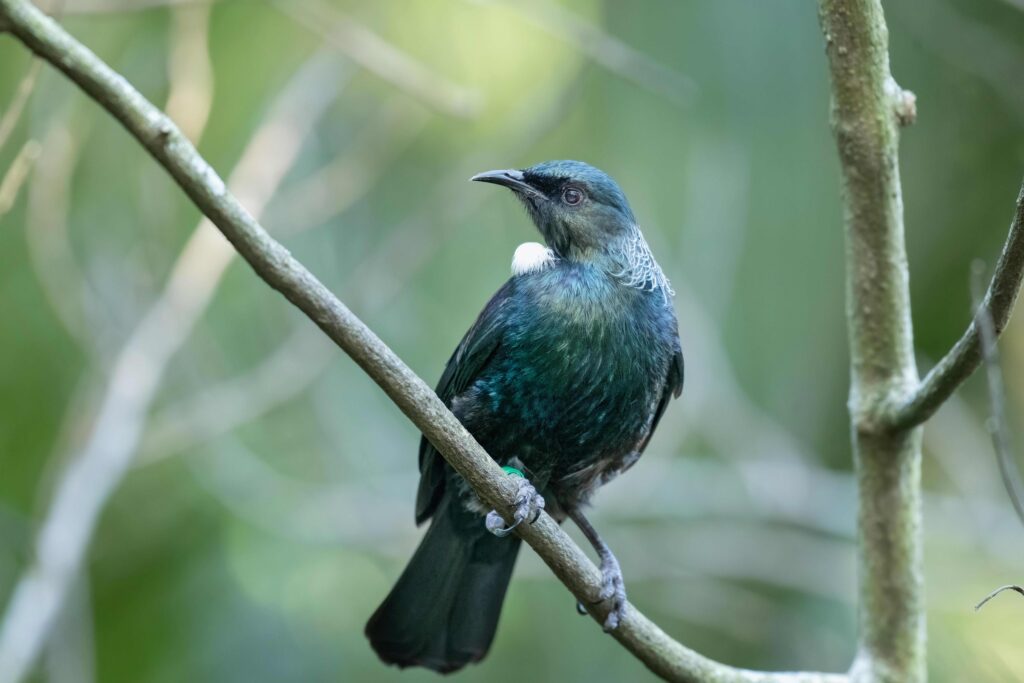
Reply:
x=443, y=612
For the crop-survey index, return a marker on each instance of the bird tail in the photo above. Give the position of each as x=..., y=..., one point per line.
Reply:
x=443, y=612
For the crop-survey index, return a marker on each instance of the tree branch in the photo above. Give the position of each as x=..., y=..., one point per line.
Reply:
x=868, y=107
x=28, y=83
x=14, y=178
x=997, y=424
x=280, y=270
x=64, y=285
x=966, y=355
x=610, y=52
x=378, y=56
x=1011, y=587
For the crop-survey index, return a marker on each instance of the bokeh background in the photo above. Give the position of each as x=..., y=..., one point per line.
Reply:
x=266, y=507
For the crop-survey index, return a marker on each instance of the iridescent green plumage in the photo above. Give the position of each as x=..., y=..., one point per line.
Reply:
x=566, y=372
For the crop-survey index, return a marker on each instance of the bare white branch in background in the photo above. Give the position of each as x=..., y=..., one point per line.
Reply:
x=332, y=189
x=96, y=470
x=73, y=7
x=379, y=57
x=70, y=654
x=14, y=110
x=16, y=174
x=223, y=407
x=67, y=290
x=605, y=49
x=998, y=425
x=189, y=70
x=955, y=437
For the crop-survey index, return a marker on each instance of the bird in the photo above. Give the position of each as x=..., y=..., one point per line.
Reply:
x=563, y=379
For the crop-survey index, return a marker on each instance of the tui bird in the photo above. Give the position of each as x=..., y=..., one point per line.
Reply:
x=562, y=379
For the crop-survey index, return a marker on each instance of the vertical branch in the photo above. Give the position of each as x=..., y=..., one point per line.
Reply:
x=868, y=108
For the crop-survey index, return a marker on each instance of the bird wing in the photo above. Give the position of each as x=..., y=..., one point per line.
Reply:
x=471, y=356
x=673, y=387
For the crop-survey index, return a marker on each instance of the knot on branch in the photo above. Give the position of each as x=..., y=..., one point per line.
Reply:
x=164, y=131
x=904, y=103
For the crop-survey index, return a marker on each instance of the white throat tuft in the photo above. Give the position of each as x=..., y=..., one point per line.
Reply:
x=531, y=257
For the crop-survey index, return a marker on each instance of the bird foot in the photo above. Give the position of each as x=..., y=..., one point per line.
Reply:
x=612, y=588
x=528, y=505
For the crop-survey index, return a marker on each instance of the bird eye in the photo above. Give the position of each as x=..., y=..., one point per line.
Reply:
x=572, y=196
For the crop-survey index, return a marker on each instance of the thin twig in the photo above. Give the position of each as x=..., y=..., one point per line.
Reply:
x=607, y=50
x=71, y=653
x=272, y=262
x=72, y=298
x=221, y=408
x=190, y=70
x=997, y=424
x=378, y=56
x=19, y=169
x=996, y=592
x=965, y=356
x=80, y=7
x=335, y=187
x=13, y=112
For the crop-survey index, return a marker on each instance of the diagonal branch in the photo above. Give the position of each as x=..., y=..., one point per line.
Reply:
x=608, y=51
x=14, y=178
x=28, y=83
x=966, y=355
x=379, y=57
x=272, y=262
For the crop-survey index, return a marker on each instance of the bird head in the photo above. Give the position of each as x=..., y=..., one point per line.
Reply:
x=580, y=210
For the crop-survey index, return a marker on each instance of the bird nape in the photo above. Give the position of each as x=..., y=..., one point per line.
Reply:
x=562, y=379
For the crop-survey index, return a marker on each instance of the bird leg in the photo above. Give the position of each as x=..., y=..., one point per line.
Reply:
x=528, y=504
x=612, y=585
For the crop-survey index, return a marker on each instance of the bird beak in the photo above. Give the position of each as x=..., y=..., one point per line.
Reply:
x=512, y=179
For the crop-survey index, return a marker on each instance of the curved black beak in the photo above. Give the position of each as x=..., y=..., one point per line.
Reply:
x=512, y=179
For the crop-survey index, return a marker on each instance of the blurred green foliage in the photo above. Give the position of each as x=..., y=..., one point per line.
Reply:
x=258, y=555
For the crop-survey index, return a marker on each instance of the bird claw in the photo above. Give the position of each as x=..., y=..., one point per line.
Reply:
x=612, y=588
x=528, y=505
